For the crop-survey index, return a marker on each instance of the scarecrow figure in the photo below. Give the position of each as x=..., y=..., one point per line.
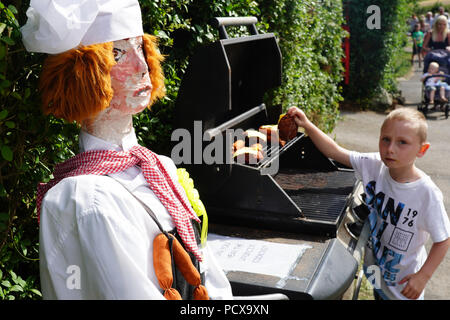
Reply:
x=101, y=215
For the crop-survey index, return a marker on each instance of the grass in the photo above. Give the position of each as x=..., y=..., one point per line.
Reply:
x=366, y=290
x=402, y=64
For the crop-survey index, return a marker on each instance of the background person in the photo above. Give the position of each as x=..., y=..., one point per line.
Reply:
x=438, y=37
x=417, y=38
x=412, y=23
x=429, y=18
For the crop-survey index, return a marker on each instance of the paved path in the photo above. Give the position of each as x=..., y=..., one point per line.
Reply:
x=360, y=131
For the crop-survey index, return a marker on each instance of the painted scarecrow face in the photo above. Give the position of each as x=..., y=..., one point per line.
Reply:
x=130, y=78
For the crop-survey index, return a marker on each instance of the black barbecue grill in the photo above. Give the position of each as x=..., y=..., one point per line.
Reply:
x=295, y=188
x=223, y=89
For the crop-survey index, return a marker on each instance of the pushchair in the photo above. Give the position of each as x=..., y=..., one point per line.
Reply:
x=442, y=57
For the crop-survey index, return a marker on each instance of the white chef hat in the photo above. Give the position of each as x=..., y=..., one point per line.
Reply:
x=55, y=26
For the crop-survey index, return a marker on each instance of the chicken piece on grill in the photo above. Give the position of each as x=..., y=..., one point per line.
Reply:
x=248, y=155
x=271, y=132
x=287, y=128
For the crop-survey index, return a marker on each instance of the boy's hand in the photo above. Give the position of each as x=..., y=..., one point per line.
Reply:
x=299, y=116
x=324, y=143
x=415, y=286
x=417, y=281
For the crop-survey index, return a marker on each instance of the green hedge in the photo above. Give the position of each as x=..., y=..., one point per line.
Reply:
x=309, y=34
x=374, y=51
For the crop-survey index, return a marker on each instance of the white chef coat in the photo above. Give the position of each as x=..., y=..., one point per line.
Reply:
x=96, y=239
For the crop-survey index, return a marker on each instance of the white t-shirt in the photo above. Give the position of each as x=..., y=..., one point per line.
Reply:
x=402, y=217
x=96, y=239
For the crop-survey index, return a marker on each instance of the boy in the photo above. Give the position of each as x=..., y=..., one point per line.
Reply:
x=417, y=37
x=405, y=205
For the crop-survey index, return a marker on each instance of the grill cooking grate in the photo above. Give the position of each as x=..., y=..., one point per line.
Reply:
x=297, y=179
x=321, y=195
x=270, y=153
x=320, y=206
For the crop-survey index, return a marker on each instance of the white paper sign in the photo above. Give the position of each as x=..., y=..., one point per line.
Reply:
x=255, y=256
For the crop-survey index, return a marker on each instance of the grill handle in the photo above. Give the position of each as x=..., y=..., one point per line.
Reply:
x=213, y=132
x=222, y=22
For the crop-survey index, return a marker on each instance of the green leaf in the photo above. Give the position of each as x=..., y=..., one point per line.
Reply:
x=8, y=41
x=161, y=34
x=27, y=93
x=7, y=153
x=12, y=9
x=16, y=95
x=13, y=276
x=6, y=284
x=19, y=281
x=37, y=292
x=16, y=288
x=3, y=114
x=24, y=249
x=10, y=124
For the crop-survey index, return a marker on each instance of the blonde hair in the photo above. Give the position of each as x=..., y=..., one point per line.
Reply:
x=413, y=116
x=434, y=33
x=433, y=64
x=76, y=85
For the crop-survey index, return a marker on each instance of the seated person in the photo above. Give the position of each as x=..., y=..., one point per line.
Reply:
x=432, y=84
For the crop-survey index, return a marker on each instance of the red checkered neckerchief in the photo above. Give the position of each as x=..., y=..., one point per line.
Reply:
x=103, y=162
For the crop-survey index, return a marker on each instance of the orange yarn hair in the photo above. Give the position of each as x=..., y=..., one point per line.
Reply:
x=76, y=85
x=154, y=59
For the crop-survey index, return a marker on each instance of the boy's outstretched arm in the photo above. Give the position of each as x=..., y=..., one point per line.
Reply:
x=324, y=143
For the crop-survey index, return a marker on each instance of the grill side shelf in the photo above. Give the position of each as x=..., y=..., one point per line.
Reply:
x=334, y=274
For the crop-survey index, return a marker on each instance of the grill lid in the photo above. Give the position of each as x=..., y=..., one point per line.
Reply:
x=228, y=77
